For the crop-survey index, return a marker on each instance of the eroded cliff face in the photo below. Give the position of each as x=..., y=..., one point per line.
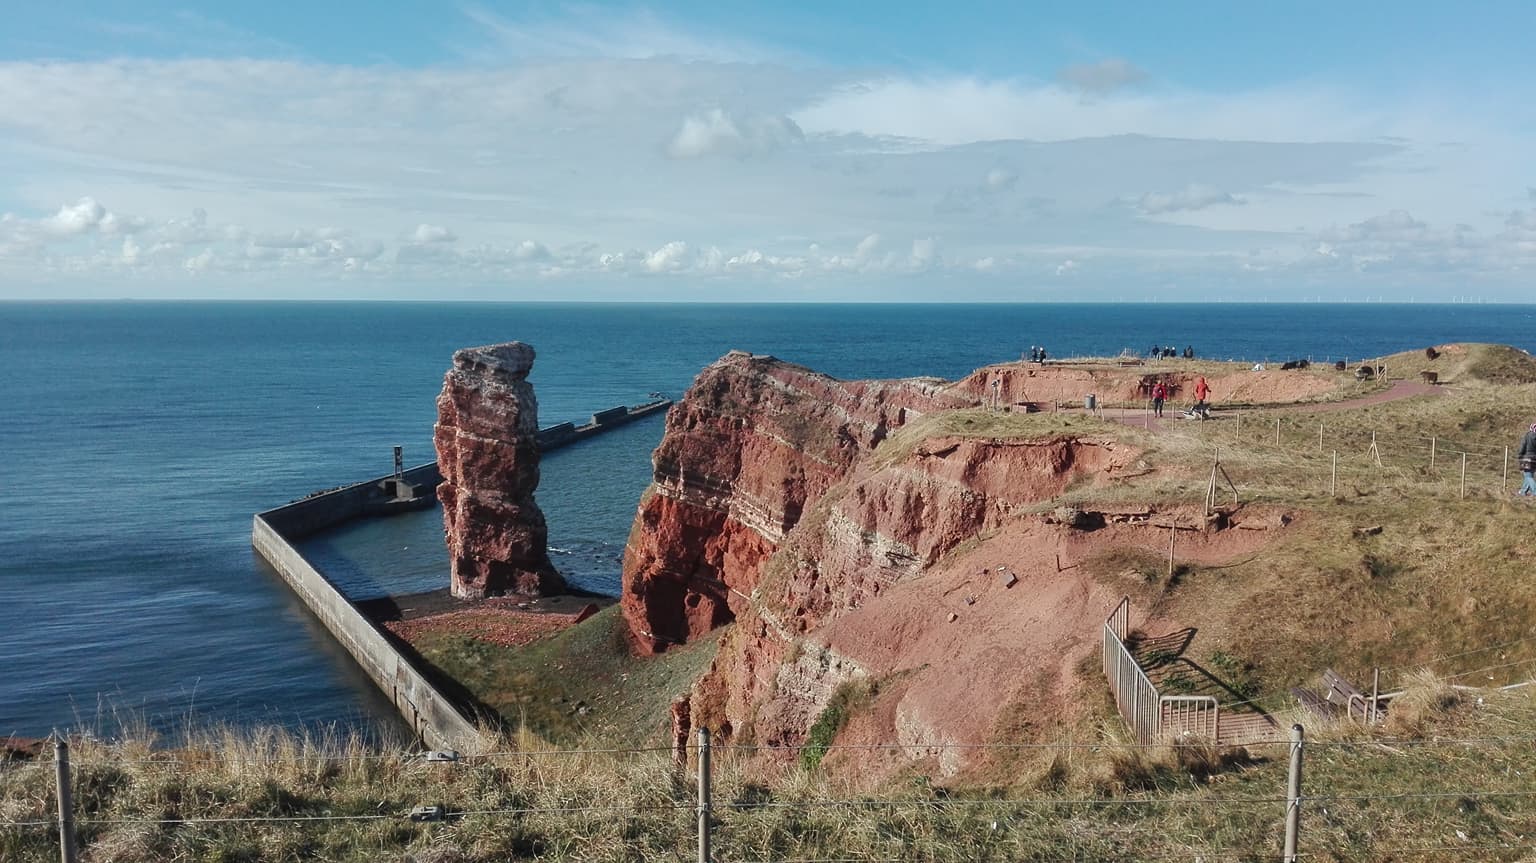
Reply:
x=751, y=446
x=487, y=450
x=850, y=532
x=839, y=601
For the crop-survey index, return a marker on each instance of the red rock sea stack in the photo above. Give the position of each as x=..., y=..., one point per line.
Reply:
x=487, y=450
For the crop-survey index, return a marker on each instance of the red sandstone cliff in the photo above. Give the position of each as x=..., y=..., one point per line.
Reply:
x=753, y=443
x=775, y=507
x=487, y=450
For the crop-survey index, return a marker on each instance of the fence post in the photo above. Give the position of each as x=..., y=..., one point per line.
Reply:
x=1333, y=484
x=66, y=802
x=1504, y=483
x=1463, y=476
x=1431, y=450
x=1293, y=796
x=1239, y=422
x=1277, y=431
x=1319, y=435
x=704, y=806
x=1173, y=531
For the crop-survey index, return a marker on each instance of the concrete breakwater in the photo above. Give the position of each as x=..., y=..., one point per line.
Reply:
x=564, y=434
x=438, y=720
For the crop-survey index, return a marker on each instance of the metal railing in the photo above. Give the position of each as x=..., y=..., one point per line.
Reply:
x=1135, y=696
x=1189, y=716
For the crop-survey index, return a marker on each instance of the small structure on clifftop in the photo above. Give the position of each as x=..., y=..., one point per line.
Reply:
x=487, y=450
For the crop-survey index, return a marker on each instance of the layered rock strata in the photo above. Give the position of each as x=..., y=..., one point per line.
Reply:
x=753, y=444
x=487, y=450
x=860, y=530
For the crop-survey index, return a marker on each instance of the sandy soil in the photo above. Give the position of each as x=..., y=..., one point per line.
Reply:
x=1005, y=646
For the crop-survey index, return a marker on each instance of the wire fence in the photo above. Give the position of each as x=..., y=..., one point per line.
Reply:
x=1365, y=798
x=1286, y=451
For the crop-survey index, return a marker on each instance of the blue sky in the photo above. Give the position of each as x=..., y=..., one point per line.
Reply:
x=785, y=151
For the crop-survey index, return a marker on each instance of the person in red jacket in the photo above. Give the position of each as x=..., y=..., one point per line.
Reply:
x=1159, y=394
x=1202, y=392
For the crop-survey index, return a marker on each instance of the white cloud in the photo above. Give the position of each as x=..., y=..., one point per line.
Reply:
x=425, y=233
x=1066, y=267
x=1195, y=196
x=715, y=132
x=613, y=168
x=201, y=262
x=528, y=250
x=669, y=258
x=88, y=215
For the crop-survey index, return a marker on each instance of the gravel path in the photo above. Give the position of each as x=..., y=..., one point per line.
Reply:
x=1174, y=413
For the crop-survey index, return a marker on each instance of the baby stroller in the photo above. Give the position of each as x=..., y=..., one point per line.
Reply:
x=1198, y=411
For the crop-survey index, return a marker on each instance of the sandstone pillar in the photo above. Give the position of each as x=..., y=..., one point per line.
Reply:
x=487, y=449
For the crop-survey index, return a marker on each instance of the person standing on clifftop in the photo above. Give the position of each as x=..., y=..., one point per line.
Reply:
x=1528, y=463
x=1202, y=392
x=1159, y=395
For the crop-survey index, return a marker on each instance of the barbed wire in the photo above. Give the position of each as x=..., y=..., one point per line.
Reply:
x=1443, y=657
x=200, y=758
x=445, y=815
x=1197, y=800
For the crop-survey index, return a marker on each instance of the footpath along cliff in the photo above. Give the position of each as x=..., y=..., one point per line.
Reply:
x=852, y=531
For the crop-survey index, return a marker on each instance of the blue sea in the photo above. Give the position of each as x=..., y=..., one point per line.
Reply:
x=141, y=437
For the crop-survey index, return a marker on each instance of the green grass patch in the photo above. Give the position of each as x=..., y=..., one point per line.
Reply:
x=850, y=697
x=580, y=684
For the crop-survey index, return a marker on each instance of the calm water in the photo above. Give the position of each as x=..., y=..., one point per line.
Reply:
x=141, y=437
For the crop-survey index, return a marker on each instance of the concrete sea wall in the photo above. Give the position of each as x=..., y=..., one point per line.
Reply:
x=432, y=715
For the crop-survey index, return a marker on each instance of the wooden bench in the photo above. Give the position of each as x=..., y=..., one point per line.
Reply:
x=1314, y=703
x=1340, y=692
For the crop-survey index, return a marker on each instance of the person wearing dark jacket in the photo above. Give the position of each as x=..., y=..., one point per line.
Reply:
x=1528, y=463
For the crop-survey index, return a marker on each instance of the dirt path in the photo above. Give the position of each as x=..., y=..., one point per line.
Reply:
x=1141, y=418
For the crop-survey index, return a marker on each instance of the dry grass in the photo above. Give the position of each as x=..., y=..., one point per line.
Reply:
x=1369, y=793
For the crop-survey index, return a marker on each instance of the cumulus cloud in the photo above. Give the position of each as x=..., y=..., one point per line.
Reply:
x=670, y=258
x=1066, y=267
x=717, y=133
x=201, y=262
x=1102, y=77
x=1195, y=196
x=425, y=234
x=528, y=250
x=88, y=215
x=770, y=169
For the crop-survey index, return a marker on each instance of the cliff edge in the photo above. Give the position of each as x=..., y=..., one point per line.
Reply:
x=889, y=535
